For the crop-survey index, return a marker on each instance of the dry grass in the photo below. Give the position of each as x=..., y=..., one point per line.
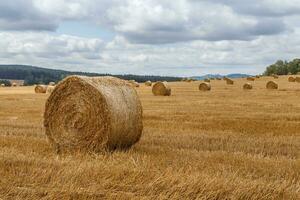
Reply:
x=223, y=144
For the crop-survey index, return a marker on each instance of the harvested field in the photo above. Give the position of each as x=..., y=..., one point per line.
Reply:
x=214, y=145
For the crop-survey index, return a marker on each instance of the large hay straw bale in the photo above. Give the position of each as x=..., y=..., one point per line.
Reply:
x=250, y=78
x=204, y=86
x=40, y=89
x=247, y=86
x=14, y=84
x=93, y=114
x=272, y=85
x=161, y=89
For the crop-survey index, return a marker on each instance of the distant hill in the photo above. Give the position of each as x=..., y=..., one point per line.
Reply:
x=220, y=76
x=37, y=75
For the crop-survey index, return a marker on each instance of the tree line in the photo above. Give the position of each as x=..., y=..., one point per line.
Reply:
x=36, y=75
x=283, y=67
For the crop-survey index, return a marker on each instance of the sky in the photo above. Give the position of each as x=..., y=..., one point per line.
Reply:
x=156, y=37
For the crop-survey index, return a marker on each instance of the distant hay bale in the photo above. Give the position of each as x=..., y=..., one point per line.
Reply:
x=247, y=86
x=212, y=79
x=184, y=79
x=289, y=73
x=161, y=89
x=207, y=80
x=52, y=83
x=229, y=81
x=14, y=84
x=93, y=114
x=148, y=83
x=50, y=89
x=133, y=83
x=40, y=89
x=2, y=85
x=204, y=86
x=275, y=76
x=257, y=76
x=218, y=78
x=291, y=79
x=272, y=85
x=250, y=78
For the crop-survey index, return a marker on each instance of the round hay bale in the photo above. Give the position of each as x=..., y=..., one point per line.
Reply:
x=207, y=80
x=247, y=86
x=148, y=83
x=52, y=83
x=275, y=76
x=229, y=81
x=250, y=78
x=14, y=84
x=257, y=76
x=204, y=86
x=50, y=89
x=291, y=79
x=297, y=79
x=93, y=114
x=218, y=78
x=272, y=85
x=40, y=89
x=2, y=85
x=161, y=89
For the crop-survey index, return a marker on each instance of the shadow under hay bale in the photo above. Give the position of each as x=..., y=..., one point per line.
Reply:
x=93, y=114
x=247, y=86
x=161, y=89
x=40, y=89
x=272, y=85
x=204, y=87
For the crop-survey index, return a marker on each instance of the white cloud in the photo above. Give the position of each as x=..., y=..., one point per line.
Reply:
x=183, y=37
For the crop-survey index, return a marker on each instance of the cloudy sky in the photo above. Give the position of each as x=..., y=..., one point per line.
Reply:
x=158, y=37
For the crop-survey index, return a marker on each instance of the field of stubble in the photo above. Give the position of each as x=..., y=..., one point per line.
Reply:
x=227, y=143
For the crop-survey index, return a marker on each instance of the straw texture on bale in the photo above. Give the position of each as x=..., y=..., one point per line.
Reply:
x=247, y=86
x=40, y=89
x=207, y=80
x=204, y=87
x=272, y=85
x=291, y=79
x=52, y=83
x=50, y=89
x=297, y=79
x=148, y=83
x=250, y=78
x=93, y=114
x=229, y=81
x=161, y=89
